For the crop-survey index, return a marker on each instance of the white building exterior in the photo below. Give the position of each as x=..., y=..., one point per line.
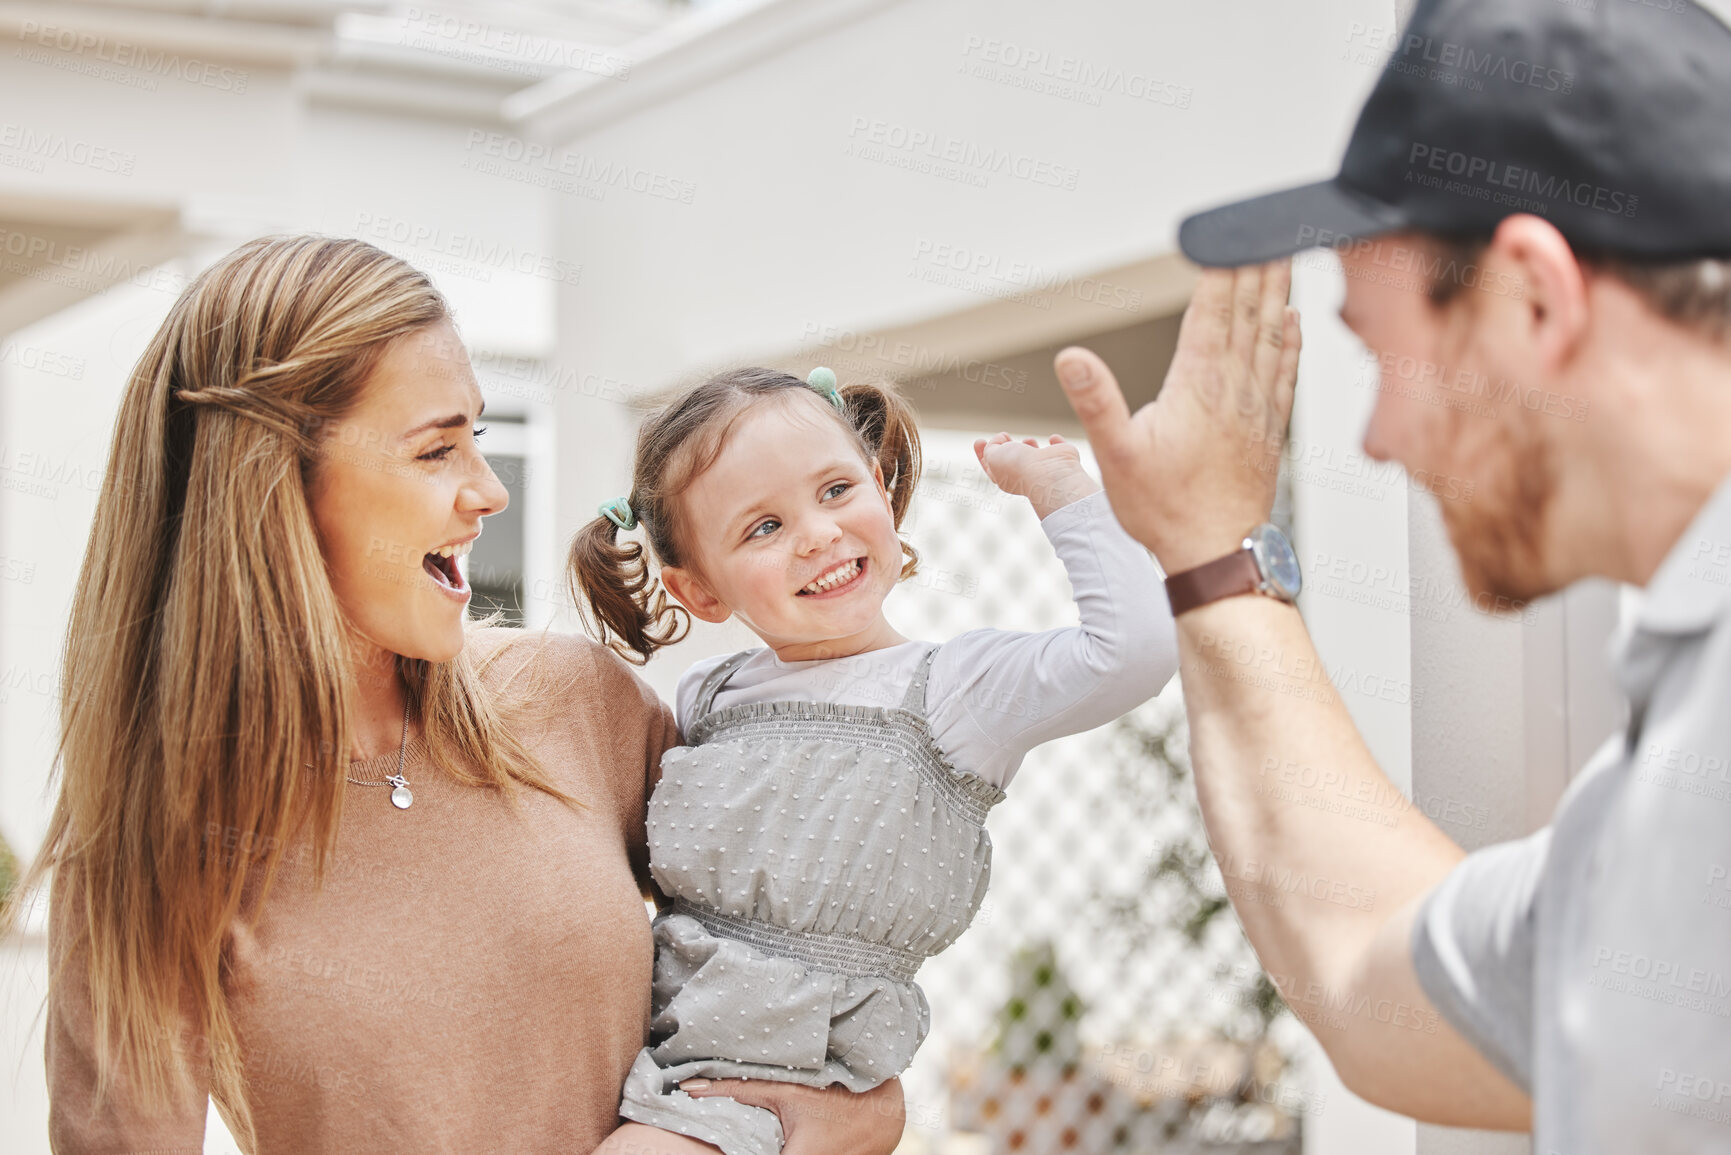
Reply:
x=940, y=192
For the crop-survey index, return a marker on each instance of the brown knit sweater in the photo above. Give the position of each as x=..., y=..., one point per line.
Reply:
x=469, y=978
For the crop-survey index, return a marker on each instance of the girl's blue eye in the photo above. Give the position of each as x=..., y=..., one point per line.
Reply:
x=758, y=532
x=838, y=485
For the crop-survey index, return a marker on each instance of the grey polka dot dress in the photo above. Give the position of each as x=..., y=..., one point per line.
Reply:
x=816, y=853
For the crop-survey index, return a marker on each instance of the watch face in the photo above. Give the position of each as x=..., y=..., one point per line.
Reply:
x=1277, y=561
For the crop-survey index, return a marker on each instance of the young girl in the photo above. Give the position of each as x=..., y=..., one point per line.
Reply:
x=822, y=832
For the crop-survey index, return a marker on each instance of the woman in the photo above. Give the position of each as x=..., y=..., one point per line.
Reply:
x=368, y=879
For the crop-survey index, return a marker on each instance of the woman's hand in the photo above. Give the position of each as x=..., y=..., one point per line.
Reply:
x=831, y=1121
x=1050, y=476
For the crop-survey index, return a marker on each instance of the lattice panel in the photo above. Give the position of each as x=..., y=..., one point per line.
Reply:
x=1054, y=1017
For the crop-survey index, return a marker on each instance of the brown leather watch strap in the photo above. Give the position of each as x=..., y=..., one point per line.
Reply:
x=1224, y=577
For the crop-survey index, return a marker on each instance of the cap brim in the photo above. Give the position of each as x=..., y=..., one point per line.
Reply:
x=1279, y=224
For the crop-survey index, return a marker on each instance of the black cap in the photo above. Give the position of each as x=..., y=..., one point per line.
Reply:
x=1609, y=118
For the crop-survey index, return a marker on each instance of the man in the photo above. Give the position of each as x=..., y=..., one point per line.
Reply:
x=1537, y=196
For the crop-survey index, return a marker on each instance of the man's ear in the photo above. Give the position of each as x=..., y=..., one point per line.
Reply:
x=692, y=592
x=1553, y=286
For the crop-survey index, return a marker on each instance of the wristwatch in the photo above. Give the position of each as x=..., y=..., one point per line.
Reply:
x=1264, y=564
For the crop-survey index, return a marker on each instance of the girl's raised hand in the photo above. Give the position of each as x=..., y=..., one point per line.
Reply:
x=1050, y=476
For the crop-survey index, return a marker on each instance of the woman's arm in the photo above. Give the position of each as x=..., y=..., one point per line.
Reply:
x=831, y=1121
x=664, y=734
x=78, y=1119
x=640, y=728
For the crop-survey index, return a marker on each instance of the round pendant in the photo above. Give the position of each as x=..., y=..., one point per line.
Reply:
x=402, y=797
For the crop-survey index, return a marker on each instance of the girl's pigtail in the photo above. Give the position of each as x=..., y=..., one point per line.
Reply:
x=620, y=602
x=891, y=433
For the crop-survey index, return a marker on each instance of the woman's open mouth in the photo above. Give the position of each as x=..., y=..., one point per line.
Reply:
x=836, y=580
x=441, y=565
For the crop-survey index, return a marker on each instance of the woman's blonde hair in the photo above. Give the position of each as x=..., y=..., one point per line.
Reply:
x=204, y=692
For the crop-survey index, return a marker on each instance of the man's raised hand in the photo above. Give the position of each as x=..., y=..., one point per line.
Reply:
x=1189, y=473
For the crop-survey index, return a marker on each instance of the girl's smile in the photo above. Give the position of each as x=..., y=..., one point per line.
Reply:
x=838, y=580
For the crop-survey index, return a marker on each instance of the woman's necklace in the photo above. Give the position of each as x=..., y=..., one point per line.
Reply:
x=401, y=796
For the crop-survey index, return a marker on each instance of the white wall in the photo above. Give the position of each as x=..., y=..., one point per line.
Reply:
x=1350, y=520
x=787, y=227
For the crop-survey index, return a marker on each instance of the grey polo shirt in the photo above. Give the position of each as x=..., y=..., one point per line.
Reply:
x=1591, y=961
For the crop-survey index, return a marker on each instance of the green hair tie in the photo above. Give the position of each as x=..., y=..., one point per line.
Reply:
x=618, y=511
x=823, y=380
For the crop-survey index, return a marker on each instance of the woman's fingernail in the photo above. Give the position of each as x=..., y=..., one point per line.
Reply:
x=694, y=1085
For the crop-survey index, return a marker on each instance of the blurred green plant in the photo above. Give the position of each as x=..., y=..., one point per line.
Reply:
x=1174, y=908
x=1038, y=1023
